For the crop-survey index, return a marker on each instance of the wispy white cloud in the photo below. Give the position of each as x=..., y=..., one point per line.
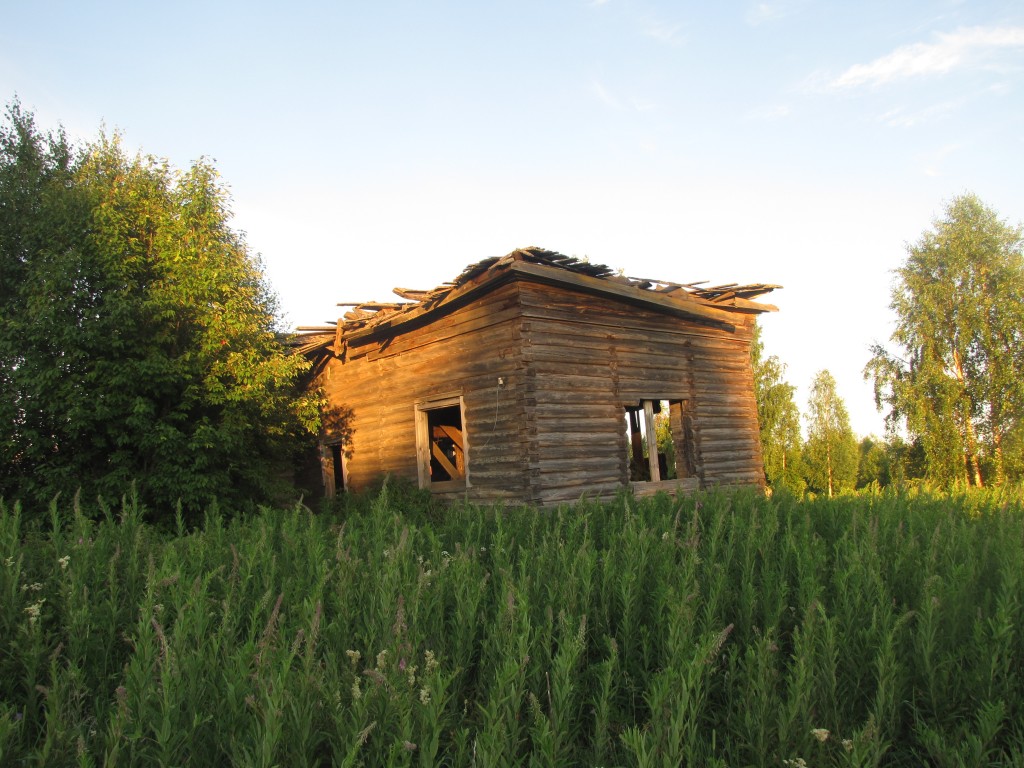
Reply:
x=763, y=12
x=663, y=31
x=950, y=51
x=613, y=100
x=900, y=117
x=595, y=3
x=604, y=95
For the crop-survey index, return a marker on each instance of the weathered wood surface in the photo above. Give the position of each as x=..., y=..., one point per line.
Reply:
x=570, y=362
x=589, y=358
x=464, y=354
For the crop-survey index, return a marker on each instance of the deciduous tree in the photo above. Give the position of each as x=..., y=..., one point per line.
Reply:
x=779, y=420
x=139, y=341
x=831, y=454
x=956, y=381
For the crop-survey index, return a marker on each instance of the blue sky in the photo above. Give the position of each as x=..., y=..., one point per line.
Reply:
x=378, y=144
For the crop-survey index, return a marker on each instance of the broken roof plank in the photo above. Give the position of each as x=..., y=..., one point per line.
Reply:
x=377, y=306
x=464, y=292
x=412, y=294
x=372, y=318
x=682, y=304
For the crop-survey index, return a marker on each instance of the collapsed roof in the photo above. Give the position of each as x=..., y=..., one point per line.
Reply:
x=365, y=321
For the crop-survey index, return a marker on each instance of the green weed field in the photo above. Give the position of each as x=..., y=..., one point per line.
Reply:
x=718, y=630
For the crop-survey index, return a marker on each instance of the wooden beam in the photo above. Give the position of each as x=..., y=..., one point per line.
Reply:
x=453, y=473
x=456, y=297
x=652, y=441
x=678, y=304
x=452, y=433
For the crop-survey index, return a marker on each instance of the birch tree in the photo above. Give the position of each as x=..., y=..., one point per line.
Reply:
x=778, y=418
x=831, y=453
x=956, y=378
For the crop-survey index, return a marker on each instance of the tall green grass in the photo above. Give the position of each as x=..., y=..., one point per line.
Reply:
x=723, y=629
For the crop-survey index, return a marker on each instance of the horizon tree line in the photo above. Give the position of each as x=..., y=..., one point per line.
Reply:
x=951, y=384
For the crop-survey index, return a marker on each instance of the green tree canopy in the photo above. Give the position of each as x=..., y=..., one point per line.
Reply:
x=956, y=382
x=873, y=463
x=779, y=420
x=831, y=454
x=139, y=341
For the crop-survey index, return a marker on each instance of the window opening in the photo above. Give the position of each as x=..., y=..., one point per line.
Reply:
x=447, y=451
x=660, y=440
x=441, y=443
x=332, y=462
x=338, y=459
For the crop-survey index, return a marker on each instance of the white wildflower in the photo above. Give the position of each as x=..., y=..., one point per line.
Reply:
x=34, y=610
x=424, y=696
x=354, y=657
x=382, y=660
x=821, y=734
x=64, y=562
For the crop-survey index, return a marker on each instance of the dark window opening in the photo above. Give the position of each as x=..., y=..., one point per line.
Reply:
x=332, y=468
x=337, y=457
x=447, y=446
x=442, y=444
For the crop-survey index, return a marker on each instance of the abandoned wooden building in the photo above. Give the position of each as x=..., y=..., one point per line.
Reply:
x=541, y=378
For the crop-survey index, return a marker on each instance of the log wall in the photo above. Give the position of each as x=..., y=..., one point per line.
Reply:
x=462, y=353
x=555, y=430
x=587, y=358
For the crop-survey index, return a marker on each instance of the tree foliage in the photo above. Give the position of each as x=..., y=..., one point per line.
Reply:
x=779, y=420
x=873, y=463
x=139, y=341
x=956, y=382
x=831, y=454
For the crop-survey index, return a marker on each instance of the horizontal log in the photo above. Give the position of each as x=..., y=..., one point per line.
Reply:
x=571, y=494
x=628, y=359
x=549, y=464
x=546, y=440
x=553, y=457
x=738, y=430
x=648, y=488
x=635, y=353
x=498, y=481
x=584, y=311
x=501, y=321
